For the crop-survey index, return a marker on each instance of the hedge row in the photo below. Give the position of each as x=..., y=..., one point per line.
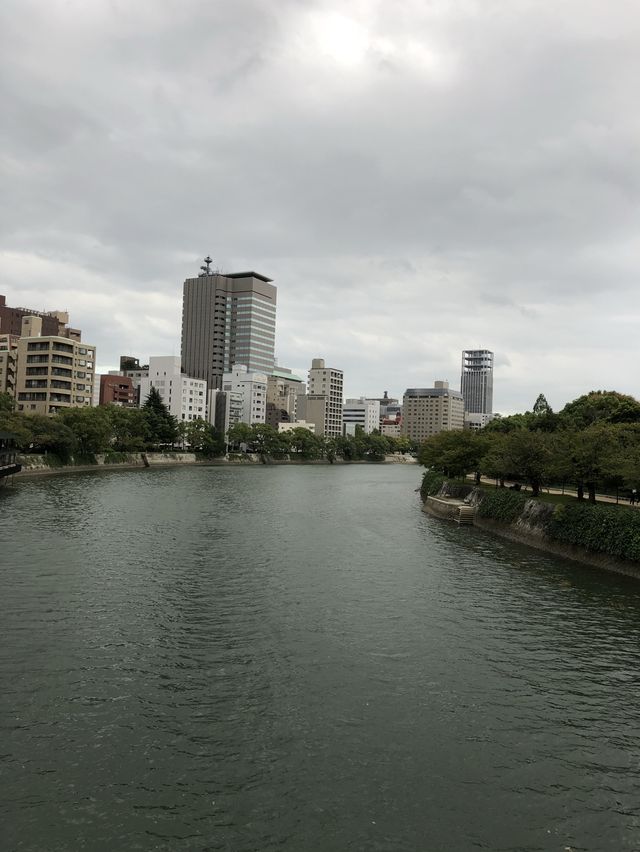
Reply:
x=603, y=529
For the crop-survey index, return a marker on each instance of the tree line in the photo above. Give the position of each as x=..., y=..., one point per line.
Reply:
x=593, y=443
x=83, y=432
x=267, y=441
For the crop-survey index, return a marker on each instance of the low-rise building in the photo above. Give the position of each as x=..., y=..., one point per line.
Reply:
x=391, y=428
x=117, y=390
x=361, y=412
x=52, y=372
x=297, y=424
x=134, y=370
x=476, y=420
x=184, y=396
x=428, y=411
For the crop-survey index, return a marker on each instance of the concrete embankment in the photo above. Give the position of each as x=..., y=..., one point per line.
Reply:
x=40, y=465
x=528, y=530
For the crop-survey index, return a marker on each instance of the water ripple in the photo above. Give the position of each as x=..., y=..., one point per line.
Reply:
x=299, y=659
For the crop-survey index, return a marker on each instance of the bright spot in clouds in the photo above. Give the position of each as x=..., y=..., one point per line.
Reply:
x=341, y=38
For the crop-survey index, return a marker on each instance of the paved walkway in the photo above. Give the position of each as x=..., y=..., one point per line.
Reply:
x=568, y=492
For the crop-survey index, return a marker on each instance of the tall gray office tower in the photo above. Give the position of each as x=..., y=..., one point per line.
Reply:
x=227, y=320
x=476, y=382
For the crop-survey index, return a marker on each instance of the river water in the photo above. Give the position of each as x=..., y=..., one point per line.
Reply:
x=298, y=659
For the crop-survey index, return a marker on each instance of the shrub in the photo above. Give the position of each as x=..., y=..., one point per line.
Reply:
x=502, y=505
x=432, y=482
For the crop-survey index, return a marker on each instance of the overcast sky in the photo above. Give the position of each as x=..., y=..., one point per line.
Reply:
x=417, y=177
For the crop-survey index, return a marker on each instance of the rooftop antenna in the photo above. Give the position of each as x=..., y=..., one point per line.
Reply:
x=206, y=268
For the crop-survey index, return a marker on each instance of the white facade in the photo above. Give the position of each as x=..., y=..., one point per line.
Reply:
x=361, y=412
x=476, y=421
x=297, y=424
x=253, y=389
x=185, y=397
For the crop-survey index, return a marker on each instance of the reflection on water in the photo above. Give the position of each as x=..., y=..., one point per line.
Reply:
x=299, y=659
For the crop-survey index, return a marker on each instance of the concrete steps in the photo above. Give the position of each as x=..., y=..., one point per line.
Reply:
x=466, y=514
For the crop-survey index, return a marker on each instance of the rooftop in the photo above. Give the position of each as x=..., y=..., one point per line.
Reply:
x=250, y=274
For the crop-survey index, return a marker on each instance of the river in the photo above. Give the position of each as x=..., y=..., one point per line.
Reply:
x=298, y=659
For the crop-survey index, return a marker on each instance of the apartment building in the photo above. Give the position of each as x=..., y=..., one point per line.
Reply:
x=322, y=404
x=117, y=390
x=184, y=396
x=54, y=323
x=226, y=408
x=252, y=388
x=8, y=347
x=52, y=372
x=428, y=411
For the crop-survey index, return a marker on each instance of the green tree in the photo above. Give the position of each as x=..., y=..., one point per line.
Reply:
x=51, y=435
x=129, y=427
x=162, y=425
x=305, y=443
x=600, y=407
x=19, y=425
x=541, y=406
x=529, y=456
x=268, y=441
x=454, y=453
x=91, y=428
x=202, y=438
x=239, y=433
x=7, y=404
x=591, y=455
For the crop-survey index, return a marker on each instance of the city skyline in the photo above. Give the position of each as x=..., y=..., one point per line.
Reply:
x=414, y=180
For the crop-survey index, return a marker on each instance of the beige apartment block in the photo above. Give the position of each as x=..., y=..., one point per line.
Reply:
x=323, y=402
x=53, y=373
x=8, y=346
x=428, y=411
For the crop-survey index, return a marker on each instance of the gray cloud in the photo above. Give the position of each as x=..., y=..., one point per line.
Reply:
x=417, y=178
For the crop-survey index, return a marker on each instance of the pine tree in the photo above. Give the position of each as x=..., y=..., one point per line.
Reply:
x=163, y=426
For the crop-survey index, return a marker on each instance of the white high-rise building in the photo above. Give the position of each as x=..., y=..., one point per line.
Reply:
x=184, y=396
x=252, y=387
x=361, y=412
x=476, y=385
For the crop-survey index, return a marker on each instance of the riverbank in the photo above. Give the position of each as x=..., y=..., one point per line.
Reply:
x=37, y=465
x=549, y=528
